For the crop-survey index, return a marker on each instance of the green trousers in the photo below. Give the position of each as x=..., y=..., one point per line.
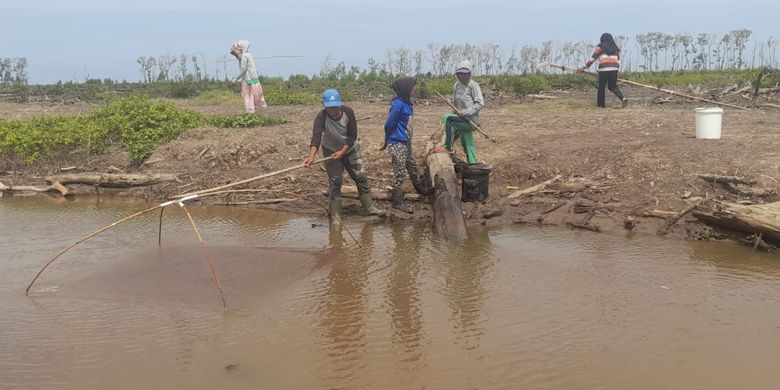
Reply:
x=454, y=127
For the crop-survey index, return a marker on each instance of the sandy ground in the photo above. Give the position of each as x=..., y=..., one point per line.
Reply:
x=618, y=167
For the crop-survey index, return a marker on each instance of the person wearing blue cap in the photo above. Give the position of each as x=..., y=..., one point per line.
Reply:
x=335, y=131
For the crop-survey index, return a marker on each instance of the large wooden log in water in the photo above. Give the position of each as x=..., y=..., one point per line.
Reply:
x=755, y=219
x=55, y=186
x=108, y=180
x=447, y=211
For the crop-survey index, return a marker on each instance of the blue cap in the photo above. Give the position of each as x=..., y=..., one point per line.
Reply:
x=331, y=98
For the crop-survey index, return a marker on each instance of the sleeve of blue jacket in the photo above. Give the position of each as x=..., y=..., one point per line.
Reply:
x=396, y=109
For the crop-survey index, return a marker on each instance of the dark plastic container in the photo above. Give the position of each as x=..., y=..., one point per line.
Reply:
x=476, y=181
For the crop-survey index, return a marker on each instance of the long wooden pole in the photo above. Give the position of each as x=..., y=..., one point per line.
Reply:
x=476, y=126
x=251, y=179
x=93, y=234
x=206, y=252
x=572, y=69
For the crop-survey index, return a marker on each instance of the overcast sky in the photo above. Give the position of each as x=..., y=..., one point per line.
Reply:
x=74, y=39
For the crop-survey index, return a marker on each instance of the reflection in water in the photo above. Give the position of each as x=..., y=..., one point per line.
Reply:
x=468, y=266
x=404, y=297
x=342, y=306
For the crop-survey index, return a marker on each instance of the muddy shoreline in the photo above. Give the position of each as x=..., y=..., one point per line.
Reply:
x=621, y=170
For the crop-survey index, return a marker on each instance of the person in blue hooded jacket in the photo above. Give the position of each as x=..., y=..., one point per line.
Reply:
x=399, y=144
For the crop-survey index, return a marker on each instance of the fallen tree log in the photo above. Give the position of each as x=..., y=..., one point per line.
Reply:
x=726, y=179
x=761, y=220
x=447, y=211
x=532, y=189
x=109, y=180
x=54, y=187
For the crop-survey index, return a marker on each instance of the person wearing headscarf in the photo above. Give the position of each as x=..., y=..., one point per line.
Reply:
x=398, y=142
x=468, y=101
x=607, y=54
x=251, y=89
x=335, y=131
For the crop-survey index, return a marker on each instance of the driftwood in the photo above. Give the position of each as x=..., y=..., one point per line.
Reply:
x=258, y=202
x=109, y=180
x=770, y=105
x=668, y=225
x=447, y=211
x=536, y=188
x=663, y=214
x=763, y=220
x=542, y=96
x=726, y=179
x=55, y=186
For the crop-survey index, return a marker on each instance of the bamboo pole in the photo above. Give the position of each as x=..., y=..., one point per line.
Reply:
x=206, y=252
x=572, y=69
x=245, y=181
x=476, y=126
x=93, y=234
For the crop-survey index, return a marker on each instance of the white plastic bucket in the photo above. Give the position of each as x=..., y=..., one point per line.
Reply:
x=708, y=122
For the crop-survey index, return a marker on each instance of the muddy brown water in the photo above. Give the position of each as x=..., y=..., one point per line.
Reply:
x=509, y=308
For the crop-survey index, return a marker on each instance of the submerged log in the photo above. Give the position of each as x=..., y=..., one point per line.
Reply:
x=447, y=211
x=55, y=187
x=763, y=220
x=113, y=180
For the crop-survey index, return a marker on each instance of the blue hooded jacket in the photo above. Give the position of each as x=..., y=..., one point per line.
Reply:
x=401, y=111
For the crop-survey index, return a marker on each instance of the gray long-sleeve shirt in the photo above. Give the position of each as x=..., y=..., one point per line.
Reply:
x=246, y=65
x=468, y=98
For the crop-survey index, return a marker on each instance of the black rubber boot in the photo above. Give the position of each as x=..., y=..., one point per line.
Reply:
x=398, y=201
x=423, y=187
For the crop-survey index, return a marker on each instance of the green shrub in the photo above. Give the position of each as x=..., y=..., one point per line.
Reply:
x=244, y=121
x=37, y=138
x=427, y=87
x=218, y=98
x=523, y=85
x=139, y=123
x=279, y=94
x=144, y=124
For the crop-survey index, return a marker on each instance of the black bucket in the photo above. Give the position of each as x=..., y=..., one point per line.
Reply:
x=476, y=180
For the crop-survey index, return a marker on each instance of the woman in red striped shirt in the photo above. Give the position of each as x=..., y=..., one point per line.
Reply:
x=607, y=53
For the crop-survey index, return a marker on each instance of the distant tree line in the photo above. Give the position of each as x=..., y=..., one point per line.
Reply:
x=13, y=71
x=654, y=51
x=184, y=67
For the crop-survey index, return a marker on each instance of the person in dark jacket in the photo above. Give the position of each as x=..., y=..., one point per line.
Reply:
x=335, y=130
x=607, y=54
x=399, y=144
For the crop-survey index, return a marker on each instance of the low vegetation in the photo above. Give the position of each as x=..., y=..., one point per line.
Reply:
x=139, y=124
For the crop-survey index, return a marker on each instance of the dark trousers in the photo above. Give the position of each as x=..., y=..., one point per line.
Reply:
x=607, y=79
x=352, y=162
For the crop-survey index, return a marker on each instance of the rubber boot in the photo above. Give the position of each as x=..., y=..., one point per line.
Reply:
x=423, y=187
x=397, y=201
x=368, y=205
x=335, y=213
